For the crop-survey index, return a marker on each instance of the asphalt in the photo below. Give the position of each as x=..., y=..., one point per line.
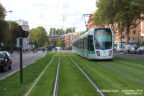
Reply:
x=130, y=56
x=28, y=58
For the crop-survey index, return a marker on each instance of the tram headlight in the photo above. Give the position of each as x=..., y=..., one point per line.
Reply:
x=110, y=52
x=98, y=53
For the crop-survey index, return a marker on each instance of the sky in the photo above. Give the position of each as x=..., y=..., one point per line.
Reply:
x=50, y=13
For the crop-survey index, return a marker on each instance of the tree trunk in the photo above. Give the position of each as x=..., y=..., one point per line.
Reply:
x=127, y=33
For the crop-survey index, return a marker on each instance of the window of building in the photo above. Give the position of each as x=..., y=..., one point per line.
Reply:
x=129, y=38
x=134, y=38
x=134, y=26
x=134, y=31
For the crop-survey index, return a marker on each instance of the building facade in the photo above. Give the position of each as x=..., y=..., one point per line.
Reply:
x=136, y=35
x=91, y=24
x=52, y=39
x=68, y=38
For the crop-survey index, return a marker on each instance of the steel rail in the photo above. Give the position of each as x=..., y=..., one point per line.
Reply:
x=57, y=78
x=95, y=86
x=38, y=78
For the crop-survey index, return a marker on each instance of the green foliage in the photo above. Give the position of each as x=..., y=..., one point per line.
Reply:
x=2, y=16
x=2, y=12
x=109, y=74
x=11, y=86
x=38, y=36
x=72, y=82
x=5, y=33
x=5, y=30
x=54, y=31
x=125, y=11
x=47, y=81
x=70, y=30
x=60, y=43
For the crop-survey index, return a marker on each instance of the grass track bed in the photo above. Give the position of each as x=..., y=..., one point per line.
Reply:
x=11, y=86
x=126, y=67
x=107, y=79
x=45, y=85
x=72, y=82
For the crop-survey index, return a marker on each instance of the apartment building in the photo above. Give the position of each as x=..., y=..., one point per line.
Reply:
x=91, y=22
x=68, y=38
x=136, y=35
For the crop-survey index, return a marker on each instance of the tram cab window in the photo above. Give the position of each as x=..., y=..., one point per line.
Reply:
x=90, y=43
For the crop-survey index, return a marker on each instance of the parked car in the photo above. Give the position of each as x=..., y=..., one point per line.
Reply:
x=118, y=47
x=140, y=50
x=133, y=50
x=128, y=48
x=5, y=61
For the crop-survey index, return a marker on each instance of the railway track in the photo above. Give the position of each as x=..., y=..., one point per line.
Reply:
x=95, y=86
x=30, y=89
x=121, y=72
x=57, y=78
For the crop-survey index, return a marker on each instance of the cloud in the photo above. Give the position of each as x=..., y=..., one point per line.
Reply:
x=50, y=13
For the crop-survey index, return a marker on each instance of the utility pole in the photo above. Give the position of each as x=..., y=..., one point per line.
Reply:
x=86, y=23
x=21, y=55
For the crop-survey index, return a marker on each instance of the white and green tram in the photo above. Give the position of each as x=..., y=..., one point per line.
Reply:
x=95, y=44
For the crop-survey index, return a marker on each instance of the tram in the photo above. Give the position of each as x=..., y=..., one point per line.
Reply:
x=96, y=44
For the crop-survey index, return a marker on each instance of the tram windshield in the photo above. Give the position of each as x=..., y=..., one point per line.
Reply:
x=103, y=39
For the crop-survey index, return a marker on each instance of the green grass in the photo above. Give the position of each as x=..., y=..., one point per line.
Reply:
x=11, y=86
x=45, y=85
x=108, y=79
x=72, y=82
x=64, y=53
x=132, y=68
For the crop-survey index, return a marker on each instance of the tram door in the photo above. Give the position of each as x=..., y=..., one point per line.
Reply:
x=90, y=46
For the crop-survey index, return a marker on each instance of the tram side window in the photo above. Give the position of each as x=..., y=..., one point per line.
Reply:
x=78, y=43
x=90, y=43
x=82, y=43
x=85, y=42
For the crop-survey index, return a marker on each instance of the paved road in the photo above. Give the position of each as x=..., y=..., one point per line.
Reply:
x=131, y=56
x=28, y=58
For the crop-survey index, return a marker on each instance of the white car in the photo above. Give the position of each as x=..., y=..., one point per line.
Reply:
x=8, y=54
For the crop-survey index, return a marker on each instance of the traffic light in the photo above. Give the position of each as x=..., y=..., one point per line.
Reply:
x=22, y=33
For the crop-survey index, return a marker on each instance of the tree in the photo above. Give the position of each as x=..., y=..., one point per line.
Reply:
x=5, y=33
x=60, y=43
x=2, y=16
x=54, y=31
x=2, y=12
x=38, y=36
x=70, y=30
x=126, y=12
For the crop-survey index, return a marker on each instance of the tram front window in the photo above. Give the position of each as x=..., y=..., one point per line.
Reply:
x=103, y=39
